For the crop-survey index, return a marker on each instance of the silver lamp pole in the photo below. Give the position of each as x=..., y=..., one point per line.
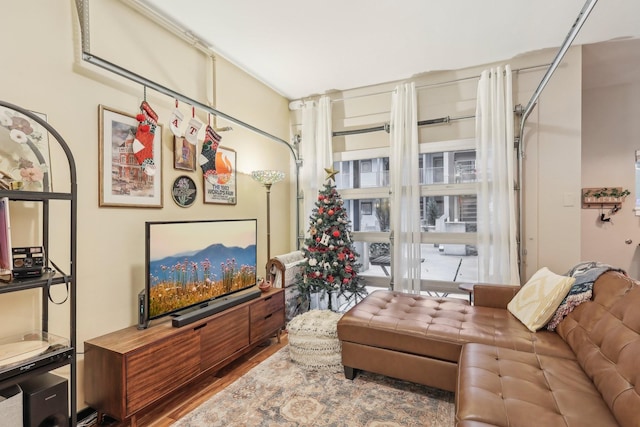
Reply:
x=268, y=178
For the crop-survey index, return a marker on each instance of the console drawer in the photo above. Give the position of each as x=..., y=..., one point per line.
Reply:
x=267, y=315
x=266, y=306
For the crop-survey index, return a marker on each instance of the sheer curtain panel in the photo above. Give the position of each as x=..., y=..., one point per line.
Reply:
x=405, y=190
x=316, y=152
x=495, y=159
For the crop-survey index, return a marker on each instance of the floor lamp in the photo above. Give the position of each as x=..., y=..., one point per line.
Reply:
x=268, y=178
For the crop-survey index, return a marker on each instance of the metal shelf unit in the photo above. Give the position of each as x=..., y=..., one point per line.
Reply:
x=57, y=355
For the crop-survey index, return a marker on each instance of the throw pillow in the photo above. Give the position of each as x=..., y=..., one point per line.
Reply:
x=539, y=298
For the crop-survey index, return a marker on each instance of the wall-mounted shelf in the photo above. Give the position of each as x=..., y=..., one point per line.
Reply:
x=603, y=197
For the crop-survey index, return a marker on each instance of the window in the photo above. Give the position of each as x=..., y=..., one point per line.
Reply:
x=448, y=212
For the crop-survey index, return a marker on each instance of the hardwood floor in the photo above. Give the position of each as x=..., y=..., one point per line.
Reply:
x=169, y=410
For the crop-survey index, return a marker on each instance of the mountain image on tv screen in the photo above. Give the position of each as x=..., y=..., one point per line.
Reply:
x=193, y=262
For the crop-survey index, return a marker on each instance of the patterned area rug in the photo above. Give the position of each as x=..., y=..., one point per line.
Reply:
x=280, y=393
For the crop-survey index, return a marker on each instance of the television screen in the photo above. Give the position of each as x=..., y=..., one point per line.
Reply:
x=191, y=262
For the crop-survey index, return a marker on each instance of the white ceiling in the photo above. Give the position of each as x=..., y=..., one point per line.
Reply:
x=301, y=48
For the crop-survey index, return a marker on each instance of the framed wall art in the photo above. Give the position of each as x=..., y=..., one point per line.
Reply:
x=123, y=179
x=184, y=191
x=220, y=184
x=25, y=162
x=184, y=154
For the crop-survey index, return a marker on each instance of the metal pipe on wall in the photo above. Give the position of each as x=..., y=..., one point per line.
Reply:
x=573, y=32
x=82, y=7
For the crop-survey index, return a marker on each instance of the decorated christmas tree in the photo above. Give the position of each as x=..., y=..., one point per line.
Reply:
x=331, y=267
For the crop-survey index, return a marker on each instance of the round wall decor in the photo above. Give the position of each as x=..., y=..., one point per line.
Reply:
x=184, y=191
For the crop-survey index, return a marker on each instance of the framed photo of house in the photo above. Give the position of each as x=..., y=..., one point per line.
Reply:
x=220, y=187
x=184, y=154
x=123, y=181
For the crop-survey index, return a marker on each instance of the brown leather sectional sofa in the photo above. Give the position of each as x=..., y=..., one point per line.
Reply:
x=586, y=373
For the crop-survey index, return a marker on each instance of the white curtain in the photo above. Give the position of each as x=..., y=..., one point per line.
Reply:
x=316, y=153
x=405, y=189
x=495, y=159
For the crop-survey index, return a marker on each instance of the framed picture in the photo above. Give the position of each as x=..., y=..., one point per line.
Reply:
x=25, y=163
x=123, y=180
x=220, y=186
x=184, y=191
x=184, y=154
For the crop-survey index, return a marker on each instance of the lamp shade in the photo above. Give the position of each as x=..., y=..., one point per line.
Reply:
x=267, y=177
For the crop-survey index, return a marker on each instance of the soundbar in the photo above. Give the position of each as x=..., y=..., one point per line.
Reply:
x=215, y=306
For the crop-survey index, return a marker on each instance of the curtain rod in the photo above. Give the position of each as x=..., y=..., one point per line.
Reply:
x=428, y=85
x=387, y=127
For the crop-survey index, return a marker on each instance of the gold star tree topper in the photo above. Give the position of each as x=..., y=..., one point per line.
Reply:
x=331, y=173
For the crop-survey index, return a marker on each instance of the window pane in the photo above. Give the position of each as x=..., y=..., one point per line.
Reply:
x=368, y=214
x=449, y=167
x=448, y=204
x=451, y=262
x=366, y=173
x=449, y=214
x=375, y=258
x=445, y=262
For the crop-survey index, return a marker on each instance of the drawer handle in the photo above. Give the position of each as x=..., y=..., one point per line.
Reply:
x=266, y=317
x=199, y=326
x=268, y=298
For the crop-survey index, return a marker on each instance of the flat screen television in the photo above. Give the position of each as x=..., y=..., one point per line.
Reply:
x=189, y=263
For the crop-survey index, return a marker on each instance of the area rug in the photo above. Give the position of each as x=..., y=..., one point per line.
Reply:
x=280, y=393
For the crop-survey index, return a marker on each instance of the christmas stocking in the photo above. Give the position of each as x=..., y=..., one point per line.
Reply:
x=193, y=128
x=208, y=154
x=143, y=143
x=176, y=120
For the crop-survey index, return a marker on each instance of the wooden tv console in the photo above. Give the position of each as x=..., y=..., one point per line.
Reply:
x=129, y=369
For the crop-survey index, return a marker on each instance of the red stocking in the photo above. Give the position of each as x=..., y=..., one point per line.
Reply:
x=143, y=144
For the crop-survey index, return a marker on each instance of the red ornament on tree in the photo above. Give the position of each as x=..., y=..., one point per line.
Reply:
x=330, y=212
x=321, y=211
x=318, y=239
x=330, y=279
x=336, y=233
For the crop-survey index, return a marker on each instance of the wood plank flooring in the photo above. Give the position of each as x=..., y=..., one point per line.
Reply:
x=183, y=401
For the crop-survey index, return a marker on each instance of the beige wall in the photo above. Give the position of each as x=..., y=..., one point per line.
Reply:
x=552, y=138
x=552, y=168
x=610, y=113
x=42, y=71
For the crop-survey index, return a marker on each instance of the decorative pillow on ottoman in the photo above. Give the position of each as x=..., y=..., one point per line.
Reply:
x=539, y=298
